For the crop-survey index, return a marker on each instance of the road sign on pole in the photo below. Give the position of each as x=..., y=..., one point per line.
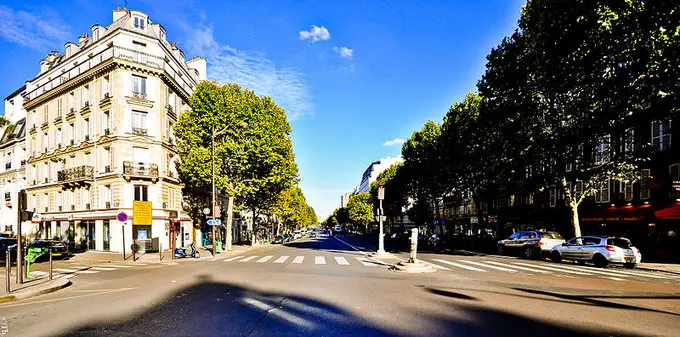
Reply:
x=215, y=222
x=122, y=217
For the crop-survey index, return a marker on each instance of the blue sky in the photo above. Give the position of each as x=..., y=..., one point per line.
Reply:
x=352, y=75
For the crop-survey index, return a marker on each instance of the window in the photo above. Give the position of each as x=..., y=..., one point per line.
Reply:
x=60, y=106
x=553, y=197
x=34, y=117
x=628, y=142
x=674, y=172
x=139, y=22
x=106, y=122
x=95, y=34
x=105, y=86
x=644, y=186
x=162, y=35
x=514, y=236
x=85, y=96
x=661, y=135
x=46, y=114
x=575, y=242
x=602, y=192
x=626, y=189
x=141, y=192
x=58, y=136
x=86, y=127
x=591, y=241
x=138, y=84
x=105, y=196
x=602, y=150
x=139, y=120
x=140, y=44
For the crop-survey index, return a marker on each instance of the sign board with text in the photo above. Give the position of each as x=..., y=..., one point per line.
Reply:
x=142, y=212
x=215, y=222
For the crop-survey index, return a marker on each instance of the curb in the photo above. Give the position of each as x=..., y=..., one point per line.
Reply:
x=34, y=293
x=657, y=270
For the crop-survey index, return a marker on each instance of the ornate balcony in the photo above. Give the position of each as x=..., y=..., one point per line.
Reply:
x=140, y=171
x=140, y=131
x=171, y=112
x=76, y=176
x=85, y=109
x=139, y=95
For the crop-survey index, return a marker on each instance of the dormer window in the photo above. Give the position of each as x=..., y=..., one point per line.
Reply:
x=139, y=22
x=162, y=35
x=95, y=34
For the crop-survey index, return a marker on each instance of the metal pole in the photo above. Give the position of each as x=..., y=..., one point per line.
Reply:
x=160, y=251
x=20, y=252
x=212, y=160
x=8, y=265
x=381, y=236
x=123, y=241
x=49, y=251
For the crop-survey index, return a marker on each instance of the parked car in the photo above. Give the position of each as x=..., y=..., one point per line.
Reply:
x=5, y=243
x=279, y=239
x=297, y=234
x=598, y=250
x=312, y=234
x=287, y=237
x=57, y=248
x=530, y=244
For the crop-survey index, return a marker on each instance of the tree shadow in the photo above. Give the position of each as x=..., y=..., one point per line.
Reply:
x=212, y=308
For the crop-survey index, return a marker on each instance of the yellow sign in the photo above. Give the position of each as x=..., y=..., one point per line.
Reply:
x=142, y=212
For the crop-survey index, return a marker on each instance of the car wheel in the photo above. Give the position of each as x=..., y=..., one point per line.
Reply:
x=500, y=250
x=600, y=261
x=556, y=257
x=529, y=252
x=630, y=265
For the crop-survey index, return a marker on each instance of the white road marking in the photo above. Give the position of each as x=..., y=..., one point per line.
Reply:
x=365, y=262
x=460, y=265
x=341, y=261
x=319, y=260
x=298, y=259
x=265, y=259
x=489, y=266
x=520, y=268
x=85, y=271
x=553, y=269
x=282, y=259
x=615, y=278
x=248, y=259
x=115, y=266
x=233, y=258
x=630, y=273
x=64, y=270
x=590, y=270
x=435, y=266
x=102, y=268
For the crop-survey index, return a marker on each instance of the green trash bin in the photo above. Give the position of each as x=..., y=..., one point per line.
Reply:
x=33, y=254
x=218, y=247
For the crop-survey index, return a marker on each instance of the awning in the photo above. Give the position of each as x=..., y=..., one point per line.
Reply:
x=669, y=213
x=626, y=213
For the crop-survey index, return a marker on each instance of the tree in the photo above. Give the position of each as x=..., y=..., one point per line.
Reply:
x=3, y=121
x=395, y=191
x=360, y=209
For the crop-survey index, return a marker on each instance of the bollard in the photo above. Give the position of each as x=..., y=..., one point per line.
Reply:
x=160, y=251
x=49, y=251
x=414, y=245
x=8, y=261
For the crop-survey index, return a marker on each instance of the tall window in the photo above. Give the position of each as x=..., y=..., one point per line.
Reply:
x=85, y=96
x=139, y=84
x=674, y=171
x=139, y=120
x=86, y=127
x=553, y=197
x=661, y=135
x=105, y=86
x=46, y=114
x=60, y=106
x=626, y=188
x=139, y=22
x=141, y=192
x=106, y=121
x=602, y=150
x=628, y=142
x=644, y=184
x=58, y=137
x=602, y=193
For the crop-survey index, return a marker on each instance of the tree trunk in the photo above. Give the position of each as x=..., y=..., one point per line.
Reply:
x=252, y=237
x=230, y=219
x=574, y=219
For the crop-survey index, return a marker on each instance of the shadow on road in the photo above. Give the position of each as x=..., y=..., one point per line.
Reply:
x=211, y=308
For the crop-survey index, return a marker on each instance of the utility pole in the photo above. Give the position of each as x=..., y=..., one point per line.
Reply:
x=20, y=248
x=381, y=237
x=212, y=159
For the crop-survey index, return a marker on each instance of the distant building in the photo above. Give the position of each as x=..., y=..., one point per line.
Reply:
x=344, y=199
x=373, y=170
x=12, y=162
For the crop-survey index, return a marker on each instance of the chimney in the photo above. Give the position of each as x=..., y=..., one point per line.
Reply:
x=200, y=65
x=82, y=38
x=44, y=65
x=118, y=13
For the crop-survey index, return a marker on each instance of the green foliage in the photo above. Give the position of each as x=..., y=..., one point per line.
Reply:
x=360, y=209
x=3, y=121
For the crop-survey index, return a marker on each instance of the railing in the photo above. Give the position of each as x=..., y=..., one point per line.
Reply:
x=107, y=132
x=79, y=173
x=140, y=131
x=8, y=166
x=7, y=196
x=140, y=169
x=139, y=95
x=107, y=169
x=107, y=205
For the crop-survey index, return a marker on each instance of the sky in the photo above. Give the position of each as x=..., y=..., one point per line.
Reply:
x=355, y=77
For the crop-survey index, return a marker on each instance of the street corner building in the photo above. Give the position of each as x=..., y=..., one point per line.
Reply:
x=96, y=135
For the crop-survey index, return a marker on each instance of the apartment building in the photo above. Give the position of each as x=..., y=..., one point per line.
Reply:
x=100, y=135
x=12, y=162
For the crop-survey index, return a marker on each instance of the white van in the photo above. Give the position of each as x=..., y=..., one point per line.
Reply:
x=297, y=234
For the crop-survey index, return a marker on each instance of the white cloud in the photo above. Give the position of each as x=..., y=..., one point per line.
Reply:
x=344, y=52
x=42, y=31
x=252, y=70
x=394, y=141
x=315, y=34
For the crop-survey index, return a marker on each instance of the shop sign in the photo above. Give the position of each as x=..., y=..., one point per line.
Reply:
x=142, y=212
x=676, y=185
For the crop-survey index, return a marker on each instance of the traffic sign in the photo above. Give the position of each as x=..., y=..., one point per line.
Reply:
x=122, y=217
x=215, y=222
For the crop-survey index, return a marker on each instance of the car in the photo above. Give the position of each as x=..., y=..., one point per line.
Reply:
x=312, y=235
x=323, y=234
x=599, y=250
x=278, y=239
x=57, y=248
x=530, y=244
x=297, y=234
x=5, y=243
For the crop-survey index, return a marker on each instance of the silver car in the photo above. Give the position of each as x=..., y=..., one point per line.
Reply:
x=598, y=250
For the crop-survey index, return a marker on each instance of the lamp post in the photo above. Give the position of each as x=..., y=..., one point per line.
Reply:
x=381, y=236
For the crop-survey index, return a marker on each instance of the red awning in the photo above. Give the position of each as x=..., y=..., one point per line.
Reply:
x=615, y=214
x=669, y=213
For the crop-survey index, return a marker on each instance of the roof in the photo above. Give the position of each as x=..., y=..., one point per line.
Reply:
x=14, y=131
x=16, y=92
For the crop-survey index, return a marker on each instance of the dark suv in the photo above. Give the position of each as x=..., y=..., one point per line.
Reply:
x=530, y=244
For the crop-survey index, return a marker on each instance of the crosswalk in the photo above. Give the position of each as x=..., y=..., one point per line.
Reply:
x=558, y=269
x=316, y=260
x=71, y=270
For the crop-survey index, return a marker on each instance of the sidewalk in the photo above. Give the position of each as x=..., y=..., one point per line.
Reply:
x=665, y=267
x=31, y=288
x=164, y=257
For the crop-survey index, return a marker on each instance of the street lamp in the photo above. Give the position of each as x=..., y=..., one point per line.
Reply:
x=381, y=236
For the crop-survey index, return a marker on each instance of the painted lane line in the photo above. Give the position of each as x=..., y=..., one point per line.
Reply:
x=282, y=259
x=518, y=267
x=85, y=271
x=341, y=261
x=233, y=258
x=489, y=266
x=553, y=269
x=319, y=260
x=102, y=268
x=615, y=278
x=601, y=272
x=365, y=262
x=298, y=259
x=264, y=259
x=460, y=265
x=115, y=266
x=435, y=266
x=64, y=270
x=248, y=259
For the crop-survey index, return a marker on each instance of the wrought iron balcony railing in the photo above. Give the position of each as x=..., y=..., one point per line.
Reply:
x=140, y=170
x=78, y=174
x=140, y=131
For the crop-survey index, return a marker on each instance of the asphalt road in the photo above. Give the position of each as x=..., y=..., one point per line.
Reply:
x=324, y=287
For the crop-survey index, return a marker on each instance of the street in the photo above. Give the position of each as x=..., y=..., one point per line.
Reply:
x=324, y=287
